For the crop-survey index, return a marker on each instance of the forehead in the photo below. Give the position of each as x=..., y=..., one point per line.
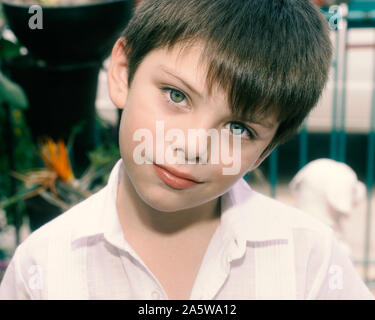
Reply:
x=184, y=62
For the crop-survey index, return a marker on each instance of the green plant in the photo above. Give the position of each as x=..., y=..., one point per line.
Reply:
x=17, y=151
x=56, y=182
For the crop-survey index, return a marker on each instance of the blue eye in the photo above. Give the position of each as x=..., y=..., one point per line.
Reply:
x=174, y=97
x=238, y=126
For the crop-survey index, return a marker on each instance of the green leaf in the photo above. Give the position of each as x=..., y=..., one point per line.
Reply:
x=12, y=93
x=8, y=49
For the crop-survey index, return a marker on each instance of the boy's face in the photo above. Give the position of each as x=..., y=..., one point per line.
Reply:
x=156, y=94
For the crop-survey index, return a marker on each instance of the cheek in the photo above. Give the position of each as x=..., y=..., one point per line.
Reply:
x=248, y=160
x=251, y=155
x=131, y=122
x=224, y=178
x=244, y=153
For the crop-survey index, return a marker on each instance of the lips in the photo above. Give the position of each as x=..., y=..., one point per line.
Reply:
x=175, y=178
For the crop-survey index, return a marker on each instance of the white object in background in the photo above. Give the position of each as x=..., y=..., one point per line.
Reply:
x=8, y=241
x=104, y=105
x=7, y=234
x=330, y=191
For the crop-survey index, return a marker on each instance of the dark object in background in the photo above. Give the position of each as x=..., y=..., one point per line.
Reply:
x=70, y=34
x=40, y=212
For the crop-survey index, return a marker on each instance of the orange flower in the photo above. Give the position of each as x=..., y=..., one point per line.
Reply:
x=56, y=158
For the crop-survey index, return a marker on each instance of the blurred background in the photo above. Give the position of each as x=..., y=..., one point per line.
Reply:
x=58, y=127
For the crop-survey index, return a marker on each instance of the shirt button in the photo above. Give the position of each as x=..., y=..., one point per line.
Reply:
x=155, y=295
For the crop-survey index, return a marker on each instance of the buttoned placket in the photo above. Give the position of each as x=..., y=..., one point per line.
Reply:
x=214, y=274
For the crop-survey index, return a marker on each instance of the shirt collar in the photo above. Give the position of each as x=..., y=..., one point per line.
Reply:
x=100, y=212
x=250, y=216
x=246, y=215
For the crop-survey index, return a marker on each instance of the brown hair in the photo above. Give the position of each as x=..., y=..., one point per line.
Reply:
x=269, y=56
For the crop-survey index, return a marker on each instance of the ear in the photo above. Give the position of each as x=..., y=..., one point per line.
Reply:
x=118, y=74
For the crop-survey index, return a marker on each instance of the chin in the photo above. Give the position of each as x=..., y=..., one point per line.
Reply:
x=155, y=198
x=159, y=204
x=163, y=201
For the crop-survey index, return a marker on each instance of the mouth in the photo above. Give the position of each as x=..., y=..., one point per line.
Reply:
x=174, y=178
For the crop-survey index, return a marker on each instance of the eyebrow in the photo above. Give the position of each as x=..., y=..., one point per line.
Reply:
x=190, y=87
x=267, y=125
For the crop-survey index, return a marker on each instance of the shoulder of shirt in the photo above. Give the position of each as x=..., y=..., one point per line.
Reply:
x=269, y=218
x=82, y=218
x=293, y=217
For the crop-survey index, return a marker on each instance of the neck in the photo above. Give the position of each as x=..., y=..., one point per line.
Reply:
x=138, y=216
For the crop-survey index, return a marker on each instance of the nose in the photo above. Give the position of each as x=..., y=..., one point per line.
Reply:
x=195, y=149
x=196, y=146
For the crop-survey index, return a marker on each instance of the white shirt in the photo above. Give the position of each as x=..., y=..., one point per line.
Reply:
x=262, y=249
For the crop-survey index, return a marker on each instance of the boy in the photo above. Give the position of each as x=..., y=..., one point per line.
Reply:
x=181, y=228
